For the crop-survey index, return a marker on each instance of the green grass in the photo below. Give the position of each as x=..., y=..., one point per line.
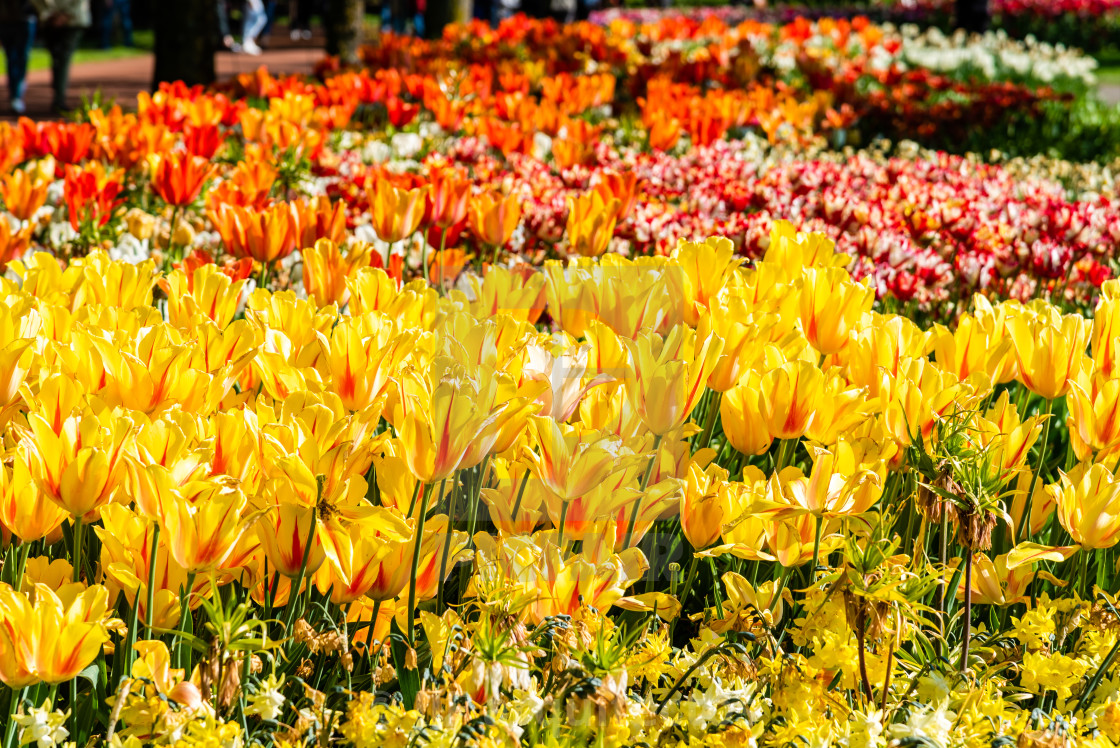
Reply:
x=1109, y=75
x=41, y=59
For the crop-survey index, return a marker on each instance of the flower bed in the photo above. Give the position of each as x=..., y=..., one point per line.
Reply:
x=1087, y=24
x=551, y=387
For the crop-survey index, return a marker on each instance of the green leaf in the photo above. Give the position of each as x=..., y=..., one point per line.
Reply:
x=90, y=674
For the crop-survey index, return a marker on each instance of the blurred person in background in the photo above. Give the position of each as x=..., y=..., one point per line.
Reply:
x=270, y=18
x=112, y=10
x=223, y=25
x=299, y=15
x=63, y=22
x=17, y=34
x=252, y=24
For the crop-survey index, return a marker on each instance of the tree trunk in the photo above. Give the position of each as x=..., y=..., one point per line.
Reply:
x=344, y=21
x=185, y=39
x=973, y=15
x=441, y=13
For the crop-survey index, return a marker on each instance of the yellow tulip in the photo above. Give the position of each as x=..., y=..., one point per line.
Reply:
x=743, y=334
x=512, y=292
x=788, y=398
x=879, y=349
x=1106, y=329
x=20, y=325
x=701, y=507
x=206, y=291
x=825, y=492
x=354, y=553
x=741, y=417
x=973, y=346
x=361, y=355
x=1049, y=349
x=438, y=429
x=707, y=266
x=1007, y=439
x=832, y=305
x=994, y=584
x=284, y=530
x=81, y=466
x=573, y=460
x=920, y=396
x=591, y=221
x=1088, y=503
x=395, y=213
x=627, y=295
x=516, y=500
x=748, y=608
x=566, y=585
x=1094, y=416
x=841, y=410
x=670, y=375
x=126, y=559
x=791, y=250
x=792, y=541
x=203, y=524
x=50, y=637
x=25, y=511
x=327, y=273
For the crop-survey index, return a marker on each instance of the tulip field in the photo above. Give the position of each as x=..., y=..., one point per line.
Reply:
x=666, y=380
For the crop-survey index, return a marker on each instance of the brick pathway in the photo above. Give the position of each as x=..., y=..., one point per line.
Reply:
x=121, y=80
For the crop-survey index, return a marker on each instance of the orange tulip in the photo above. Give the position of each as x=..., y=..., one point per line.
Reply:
x=90, y=196
x=13, y=244
x=179, y=177
x=326, y=271
x=447, y=198
x=23, y=194
x=396, y=212
x=664, y=133
x=494, y=218
x=622, y=187
x=265, y=236
x=448, y=266
x=702, y=511
x=319, y=219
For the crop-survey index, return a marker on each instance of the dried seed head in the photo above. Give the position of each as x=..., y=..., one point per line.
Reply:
x=974, y=529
